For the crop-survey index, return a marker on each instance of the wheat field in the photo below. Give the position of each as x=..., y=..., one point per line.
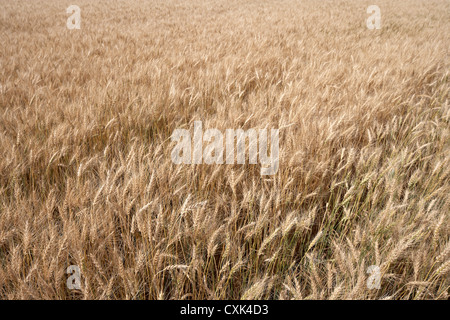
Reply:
x=86, y=176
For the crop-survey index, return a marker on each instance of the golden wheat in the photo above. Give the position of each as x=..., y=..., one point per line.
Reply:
x=86, y=176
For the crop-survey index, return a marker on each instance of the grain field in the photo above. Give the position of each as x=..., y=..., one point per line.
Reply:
x=359, y=205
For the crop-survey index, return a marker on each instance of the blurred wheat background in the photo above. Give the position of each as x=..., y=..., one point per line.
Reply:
x=86, y=176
